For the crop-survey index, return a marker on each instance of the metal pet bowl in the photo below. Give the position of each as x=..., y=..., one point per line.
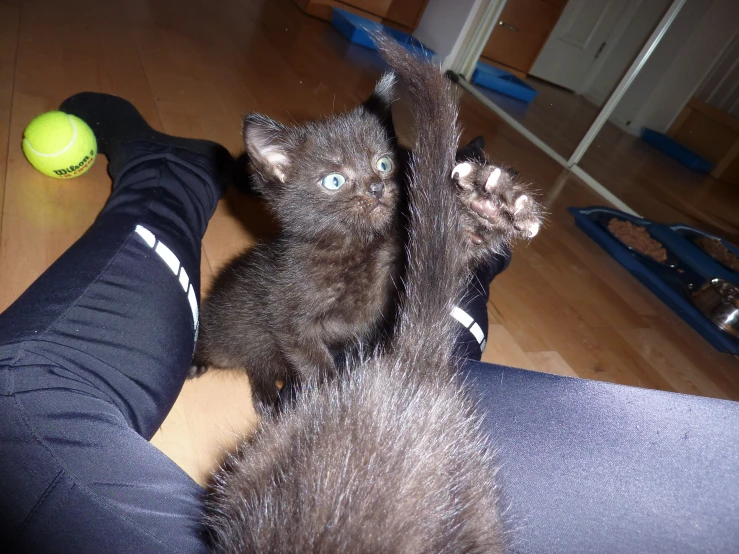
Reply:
x=718, y=300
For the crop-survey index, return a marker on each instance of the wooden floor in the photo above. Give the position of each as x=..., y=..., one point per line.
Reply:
x=193, y=67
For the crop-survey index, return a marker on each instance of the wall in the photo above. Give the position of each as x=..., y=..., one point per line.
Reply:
x=442, y=23
x=696, y=39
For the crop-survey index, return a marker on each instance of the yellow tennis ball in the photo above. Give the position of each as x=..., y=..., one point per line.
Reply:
x=59, y=145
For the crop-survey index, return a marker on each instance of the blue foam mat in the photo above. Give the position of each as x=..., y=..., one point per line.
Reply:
x=502, y=81
x=358, y=30
x=668, y=284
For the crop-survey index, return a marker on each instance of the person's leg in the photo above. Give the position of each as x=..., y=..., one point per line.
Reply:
x=587, y=466
x=472, y=313
x=94, y=354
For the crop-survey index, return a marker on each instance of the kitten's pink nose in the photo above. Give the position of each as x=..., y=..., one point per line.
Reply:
x=376, y=190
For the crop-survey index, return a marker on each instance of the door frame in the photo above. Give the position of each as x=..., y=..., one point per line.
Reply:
x=478, y=27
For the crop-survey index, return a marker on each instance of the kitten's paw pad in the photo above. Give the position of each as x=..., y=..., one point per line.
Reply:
x=498, y=209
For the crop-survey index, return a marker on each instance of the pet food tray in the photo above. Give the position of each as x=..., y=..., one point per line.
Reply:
x=687, y=265
x=680, y=238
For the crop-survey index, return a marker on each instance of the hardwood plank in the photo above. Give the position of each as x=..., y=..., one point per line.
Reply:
x=621, y=356
x=722, y=368
x=676, y=369
x=626, y=286
x=175, y=439
x=535, y=315
x=219, y=415
x=539, y=319
x=573, y=280
x=212, y=413
x=502, y=349
x=492, y=318
x=9, y=22
x=551, y=362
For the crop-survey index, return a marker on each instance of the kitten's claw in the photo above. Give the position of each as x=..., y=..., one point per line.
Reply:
x=531, y=228
x=493, y=179
x=460, y=172
x=520, y=203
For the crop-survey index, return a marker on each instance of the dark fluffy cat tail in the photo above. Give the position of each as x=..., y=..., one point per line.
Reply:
x=390, y=457
x=436, y=253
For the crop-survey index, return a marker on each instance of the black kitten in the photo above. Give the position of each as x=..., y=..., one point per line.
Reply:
x=391, y=456
x=330, y=281
x=282, y=308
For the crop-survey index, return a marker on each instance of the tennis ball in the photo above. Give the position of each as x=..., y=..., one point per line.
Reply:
x=59, y=145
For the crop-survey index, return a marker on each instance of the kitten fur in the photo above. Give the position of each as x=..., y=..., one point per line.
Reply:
x=284, y=307
x=390, y=457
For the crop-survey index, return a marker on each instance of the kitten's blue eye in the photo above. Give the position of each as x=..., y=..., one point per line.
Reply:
x=384, y=164
x=333, y=181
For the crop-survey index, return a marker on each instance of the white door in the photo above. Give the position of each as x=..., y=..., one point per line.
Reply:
x=577, y=39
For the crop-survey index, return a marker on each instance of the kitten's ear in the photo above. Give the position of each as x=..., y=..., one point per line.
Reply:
x=381, y=100
x=267, y=146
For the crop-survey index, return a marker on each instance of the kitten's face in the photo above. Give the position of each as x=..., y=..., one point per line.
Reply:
x=346, y=172
x=337, y=175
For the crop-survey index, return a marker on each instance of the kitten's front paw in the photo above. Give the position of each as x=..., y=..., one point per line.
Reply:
x=497, y=209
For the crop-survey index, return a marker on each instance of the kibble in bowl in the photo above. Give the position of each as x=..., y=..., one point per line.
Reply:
x=638, y=238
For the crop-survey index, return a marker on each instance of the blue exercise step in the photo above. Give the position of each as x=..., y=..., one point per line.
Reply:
x=676, y=151
x=359, y=29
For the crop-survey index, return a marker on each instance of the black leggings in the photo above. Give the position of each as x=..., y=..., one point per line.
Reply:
x=92, y=357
